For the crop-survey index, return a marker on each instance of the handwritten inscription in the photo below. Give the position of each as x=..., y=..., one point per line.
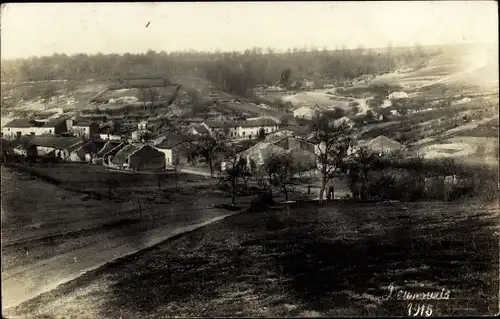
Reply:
x=415, y=310
x=418, y=309
x=427, y=295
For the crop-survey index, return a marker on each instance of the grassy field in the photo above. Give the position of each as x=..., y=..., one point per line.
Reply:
x=50, y=234
x=335, y=260
x=86, y=177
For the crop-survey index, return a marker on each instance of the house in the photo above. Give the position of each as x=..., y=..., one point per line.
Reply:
x=110, y=137
x=138, y=157
x=197, y=129
x=305, y=112
x=397, y=95
x=252, y=128
x=54, y=145
x=21, y=127
x=301, y=150
x=82, y=128
x=83, y=151
x=265, y=117
x=108, y=151
x=142, y=126
x=23, y=148
x=384, y=145
x=175, y=148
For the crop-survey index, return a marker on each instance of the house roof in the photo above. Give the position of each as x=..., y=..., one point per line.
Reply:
x=123, y=154
x=82, y=123
x=75, y=147
x=258, y=123
x=200, y=128
x=54, y=122
x=57, y=142
x=171, y=140
x=218, y=124
x=107, y=147
x=383, y=143
x=21, y=123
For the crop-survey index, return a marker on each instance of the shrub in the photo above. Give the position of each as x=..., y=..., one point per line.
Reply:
x=261, y=203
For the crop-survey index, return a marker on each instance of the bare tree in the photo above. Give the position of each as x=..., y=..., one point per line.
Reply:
x=248, y=170
x=209, y=149
x=48, y=94
x=161, y=176
x=364, y=162
x=332, y=143
x=150, y=95
x=235, y=167
x=286, y=172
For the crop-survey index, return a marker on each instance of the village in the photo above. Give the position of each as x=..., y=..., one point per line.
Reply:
x=145, y=179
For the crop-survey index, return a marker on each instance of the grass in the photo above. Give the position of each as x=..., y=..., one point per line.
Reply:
x=85, y=176
x=336, y=260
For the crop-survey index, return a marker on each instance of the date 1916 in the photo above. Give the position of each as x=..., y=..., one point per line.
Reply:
x=419, y=310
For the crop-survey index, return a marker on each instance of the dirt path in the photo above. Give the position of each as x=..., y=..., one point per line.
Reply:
x=25, y=282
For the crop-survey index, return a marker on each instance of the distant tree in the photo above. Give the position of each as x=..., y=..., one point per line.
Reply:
x=285, y=77
x=209, y=149
x=332, y=143
x=285, y=172
x=161, y=176
x=235, y=168
x=248, y=169
x=364, y=161
x=261, y=134
x=145, y=136
x=148, y=95
x=48, y=94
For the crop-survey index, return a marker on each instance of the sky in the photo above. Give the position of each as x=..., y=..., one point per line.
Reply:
x=36, y=29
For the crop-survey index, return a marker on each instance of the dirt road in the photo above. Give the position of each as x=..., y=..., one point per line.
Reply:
x=25, y=282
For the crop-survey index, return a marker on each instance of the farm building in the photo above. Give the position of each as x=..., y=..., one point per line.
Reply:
x=175, y=149
x=252, y=128
x=23, y=148
x=21, y=127
x=384, y=145
x=305, y=112
x=54, y=145
x=83, y=151
x=108, y=151
x=301, y=150
x=82, y=128
x=138, y=157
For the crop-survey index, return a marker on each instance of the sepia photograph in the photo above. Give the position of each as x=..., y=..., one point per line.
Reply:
x=250, y=159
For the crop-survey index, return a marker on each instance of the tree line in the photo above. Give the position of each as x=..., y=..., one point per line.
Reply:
x=231, y=71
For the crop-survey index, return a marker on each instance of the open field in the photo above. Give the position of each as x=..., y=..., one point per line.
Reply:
x=55, y=235
x=85, y=176
x=336, y=260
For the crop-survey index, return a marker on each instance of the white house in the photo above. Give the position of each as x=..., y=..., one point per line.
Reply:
x=305, y=112
x=245, y=129
x=398, y=95
x=110, y=137
x=20, y=127
x=384, y=145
